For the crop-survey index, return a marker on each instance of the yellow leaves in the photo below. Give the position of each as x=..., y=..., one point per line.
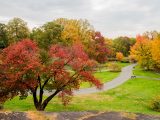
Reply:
x=70, y=32
x=75, y=30
x=142, y=52
x=147, y=52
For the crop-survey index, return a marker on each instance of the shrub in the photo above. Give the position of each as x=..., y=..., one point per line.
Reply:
x=119, y=56
x=114, y=67
x=112, y=59
x=132, y=59
x=125, y=60
x=155, y=103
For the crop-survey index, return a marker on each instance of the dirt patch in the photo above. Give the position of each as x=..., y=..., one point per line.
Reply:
x=35, y=115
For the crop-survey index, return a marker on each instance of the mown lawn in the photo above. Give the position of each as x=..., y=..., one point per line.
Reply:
x=139, y=72
x=133, y=96
x=105, y=76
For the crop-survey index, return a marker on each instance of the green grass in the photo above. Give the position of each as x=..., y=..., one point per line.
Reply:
x=119, y=63
x=139, y=72
x=132, y=96
x=103, y=77
x=123, y=64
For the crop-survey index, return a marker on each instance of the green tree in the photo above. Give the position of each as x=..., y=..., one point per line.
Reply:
x=48, y=34
x=17, y=30
x=123, y=44
x=3, y=36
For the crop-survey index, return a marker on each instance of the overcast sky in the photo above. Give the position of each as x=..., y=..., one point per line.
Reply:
x=111, y=17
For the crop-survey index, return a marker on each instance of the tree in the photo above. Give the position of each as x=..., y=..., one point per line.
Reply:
x=151, y=35
x=155, y=51
x=109, y=45
x=123, y=44
x=48, y=34
x=119, y=56
x=17, y=30
x=142, y=51
x=98, y=48
x=23, y=70
x=76, y=31
x=3, y=36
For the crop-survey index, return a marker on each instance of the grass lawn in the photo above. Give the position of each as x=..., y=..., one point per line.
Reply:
x=139, y=72
x=132, y=96
x=105, y=76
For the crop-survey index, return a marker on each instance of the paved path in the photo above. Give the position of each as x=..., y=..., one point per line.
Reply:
x=123, y=77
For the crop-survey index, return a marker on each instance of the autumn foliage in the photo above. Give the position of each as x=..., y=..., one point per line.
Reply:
x=146, y=52
x=142, y=51
x=98, y=48
x=119, y=56
x=23, y=70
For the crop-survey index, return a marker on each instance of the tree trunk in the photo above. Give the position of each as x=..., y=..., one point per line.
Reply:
x=40, y=107
x=38, y=104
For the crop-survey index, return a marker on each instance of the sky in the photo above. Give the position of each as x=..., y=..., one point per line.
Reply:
x=112, y=18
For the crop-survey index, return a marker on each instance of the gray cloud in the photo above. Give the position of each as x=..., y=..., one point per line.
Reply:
x=112, y=17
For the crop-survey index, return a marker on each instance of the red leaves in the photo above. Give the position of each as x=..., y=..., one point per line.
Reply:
x=98, y=48
x=18, y=60
x=66, y=68
x=90, y=78
x=66, y=96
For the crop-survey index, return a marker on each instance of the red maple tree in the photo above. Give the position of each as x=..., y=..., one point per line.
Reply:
x=98, y=49
x=24, y=69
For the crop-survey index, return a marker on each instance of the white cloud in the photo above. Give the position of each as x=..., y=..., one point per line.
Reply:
x=112, y=17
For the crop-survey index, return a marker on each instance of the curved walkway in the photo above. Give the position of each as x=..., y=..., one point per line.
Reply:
x=123, y=77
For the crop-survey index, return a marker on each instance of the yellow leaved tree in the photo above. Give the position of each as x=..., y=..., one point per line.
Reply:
x=142, y=51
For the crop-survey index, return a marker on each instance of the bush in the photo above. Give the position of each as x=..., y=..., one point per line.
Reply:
x=119, y=56
x=112, y=59
x=132, y=59
x=155, y=103
x=114, y=67
x=125, y=60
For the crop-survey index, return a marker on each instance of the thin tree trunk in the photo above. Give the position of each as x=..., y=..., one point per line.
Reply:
x=46, y=101
x=35, y=100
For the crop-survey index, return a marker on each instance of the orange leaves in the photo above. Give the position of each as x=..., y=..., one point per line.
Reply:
x=142, y=52
x=119, y=56
x=155, y=50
